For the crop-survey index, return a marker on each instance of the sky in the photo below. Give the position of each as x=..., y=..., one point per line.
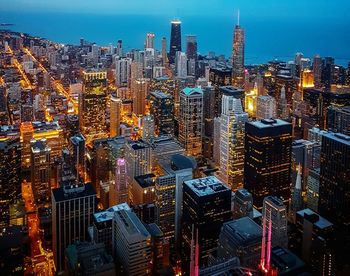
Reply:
x=324, y=9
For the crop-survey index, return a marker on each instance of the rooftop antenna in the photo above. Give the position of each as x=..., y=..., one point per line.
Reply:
x=238, y=18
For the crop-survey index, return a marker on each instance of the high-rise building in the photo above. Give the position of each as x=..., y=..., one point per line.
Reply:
x=240, y=238
x=162, y=109
x=267, y=166
x=72, y=209
x=118, y=190
x=266, y=107
x=191, y=120
x=77, y=151
x=140, y=88
x=175, y=40
x=232, y=126
x=138, y=159
x=115, y=114
x=297, y=201
x=242, y=204
x=102, y=225
x=338, y=119
x=251, y=98
x=191, y=47
x=40, y=171
x=164, y=52
x=10, y=175
x=149, y=41
x=119, y=49
x=88, y=259
x=148, y=127
x=206, y=206
x=131, y=244
x=122, y=72
x=334, y=202
x=283, y=110
x=238, y=56
x=92, y=109
x=143, y=189
x=181, y=64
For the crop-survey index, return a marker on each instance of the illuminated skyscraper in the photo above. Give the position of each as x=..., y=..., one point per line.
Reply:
x=265, y=107
x=191, y=120
x=140, y=91
x=147, y=127
x=267, y=166
x=274, y=229
x=92, y=109
x=149, y=41
x=238, y=56
x=175, y=40
x=251, y=101
x=206, y=206
x=40, y=171
x=10, y=175
x=115, y=114
x=162, y=109
x=232, y=124
x=181, y=64
x=118, y=190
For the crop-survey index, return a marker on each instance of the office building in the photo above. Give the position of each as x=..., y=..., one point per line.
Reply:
x=149, y=41
x=191, y=120
x=40, y=171
x=143, y=189
x=238, y=57
x=240, y=238
x=163, y=148
x=267, y=166
x=162, y=110
x=206, y=206
x=164, y=52
x=10, y=175
x=77, y=152
x=115, y=115
x=72, y=209
x=191, y=47
x=338, y=119
x=232, y=125
x=92, y=109
x=131, y=244
x=85, y=258
x=315, y=242
x=102, y=225
x=147, y=127
x=140, y=89
x=317, y=71
x=266, y=107
x=119, y=188
x=138, y=159
x=251, y=98
x=175, y=40
x=242, y=202
x=123, y=72
x=181, y=64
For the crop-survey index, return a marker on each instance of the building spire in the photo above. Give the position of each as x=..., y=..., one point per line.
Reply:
x=238, y=14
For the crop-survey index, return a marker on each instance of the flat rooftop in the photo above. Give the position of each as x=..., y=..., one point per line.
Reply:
x=108, y=214
x=269, y=123
x=318, y=221
x=146, y=180
x=160, y=94
x=131, y=223
x=339, y=137
x=243, y=230
x=70, y=192
x=206, y=186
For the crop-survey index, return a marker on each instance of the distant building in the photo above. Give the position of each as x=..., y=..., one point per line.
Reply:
x=238, y=57
x=115, y=115
x=338, y=119
x=266, y=107
x=175, y=40
x=162, y=109
x=143, y=189
x=242, y=204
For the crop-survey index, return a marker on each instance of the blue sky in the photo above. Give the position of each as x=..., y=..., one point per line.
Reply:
x=251, y=8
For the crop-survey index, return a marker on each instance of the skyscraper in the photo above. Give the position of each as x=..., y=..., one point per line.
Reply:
x=238, y=56
x=232, y=126
x=267, y=166
x=40, y=171
x=149, y=41
x=181, y=64
x=162, y=109
x=338, y=119
x=191, y=47
x=164, y=52
x=242, y=204
x=92, y=109
x=72, y=209
x=191, y=120
x=131, y=244
x=118, y=191
x=265, y=107
x=274, y=229
x=140, y=89
x=175, y=40
x=206, y=206
x=115, y=114
x=147, y=127
x=122, y=72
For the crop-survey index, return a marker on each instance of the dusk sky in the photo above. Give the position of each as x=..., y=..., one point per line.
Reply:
x=269, y=8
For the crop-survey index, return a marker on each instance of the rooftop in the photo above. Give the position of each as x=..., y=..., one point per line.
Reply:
x=339, y=137
x=160, y=94
x=69, y=192
x=269, y=123
x=318, y=221
x=206, y=186
x=130, y=223
x=146, y=180
x=188, y=91
x=108, y=214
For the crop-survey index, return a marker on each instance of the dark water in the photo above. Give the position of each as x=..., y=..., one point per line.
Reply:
x=265, y=39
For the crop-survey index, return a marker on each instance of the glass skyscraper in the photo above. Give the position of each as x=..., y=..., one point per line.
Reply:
x=175, y=39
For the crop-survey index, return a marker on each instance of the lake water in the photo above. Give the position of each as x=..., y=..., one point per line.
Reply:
x=265, y=39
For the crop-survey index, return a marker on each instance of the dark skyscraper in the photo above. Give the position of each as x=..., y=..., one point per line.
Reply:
x=238, y=56
x=267, y=166
x=162, y=109
x=191, y=47
x=175, y=39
